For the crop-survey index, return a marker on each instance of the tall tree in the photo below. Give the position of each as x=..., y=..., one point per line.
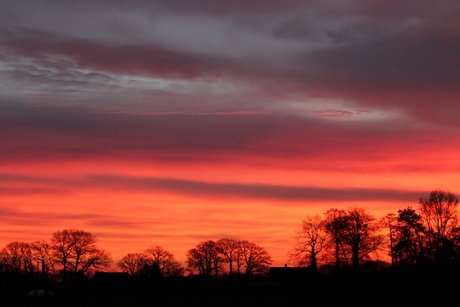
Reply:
x=439, y=212
x=206, y=259
x=229, y=249
x=76, y=251
x=354, y=234
x=335, y=224
x=16, y=258
x=310, y=241
x=165, y=261
x=409, y=238
x=41, y=252
x=360, y=235
x=133, y=263
x=389, y=221
x=61, y=244
x=256, y=259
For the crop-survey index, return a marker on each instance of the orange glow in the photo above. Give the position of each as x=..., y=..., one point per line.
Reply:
x=127, y=217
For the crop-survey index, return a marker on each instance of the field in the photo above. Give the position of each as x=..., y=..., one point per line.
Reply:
x=258, y=297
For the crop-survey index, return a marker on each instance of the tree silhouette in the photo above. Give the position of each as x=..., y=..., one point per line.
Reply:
x=409, y=238
x=230, y=250
x=167, y=265
x=439, y=212
x=335, y=227
x=256, y=259
x=206, y=259
x=76, y=251
x=389, y=221
x=361, y=235
x=17, y=259
x=42, y=253
x=310, y=241
x=133, y=263
x=354, y=234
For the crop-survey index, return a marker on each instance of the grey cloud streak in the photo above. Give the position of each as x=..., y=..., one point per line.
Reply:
x=224, y=190
x=230, y=90
x=371, y=54
x=259, y=191
x=71, y=132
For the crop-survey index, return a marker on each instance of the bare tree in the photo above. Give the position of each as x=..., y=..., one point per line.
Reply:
x=16, y=258
x=95, y=260
x=360, y=235
x=335, y=224
x=229, y=248
x=310, y=241
x=133, y=263
x=389, y=221
x=354, y=234
x=205, y=259
x=61, y=244
x=256, y=259
x=439, y=212
x=165, y=261
x=41, y=252
x=76, y=251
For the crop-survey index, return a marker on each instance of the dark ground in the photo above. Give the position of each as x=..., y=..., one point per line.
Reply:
x=258, y=297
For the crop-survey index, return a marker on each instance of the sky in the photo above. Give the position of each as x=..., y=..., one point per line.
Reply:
x=170, y=122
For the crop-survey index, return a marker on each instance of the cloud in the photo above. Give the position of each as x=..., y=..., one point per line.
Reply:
x=126, y=59
x=331, y=113
x=200, y=189
x=375, y=55
x=41, y=134
x=258, y=191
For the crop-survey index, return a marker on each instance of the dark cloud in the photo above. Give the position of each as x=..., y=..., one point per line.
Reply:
x=225, y=190
x=257, y=191
x=400, y=62
x=380, y=54
x=44, y=217
x=26, y=191
x=135, y=60
x=209, y=6
x=42, y=133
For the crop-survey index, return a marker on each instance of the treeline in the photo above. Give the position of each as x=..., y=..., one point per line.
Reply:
x=71, y=258
x=342, y=242
x=427, y=237
x=209, y=260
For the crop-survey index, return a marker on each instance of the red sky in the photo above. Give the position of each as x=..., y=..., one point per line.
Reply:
x=166, y=123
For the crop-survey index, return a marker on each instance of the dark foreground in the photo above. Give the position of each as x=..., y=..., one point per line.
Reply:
x=265, y=296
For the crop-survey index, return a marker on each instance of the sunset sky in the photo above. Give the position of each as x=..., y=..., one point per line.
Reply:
x=169, y=122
